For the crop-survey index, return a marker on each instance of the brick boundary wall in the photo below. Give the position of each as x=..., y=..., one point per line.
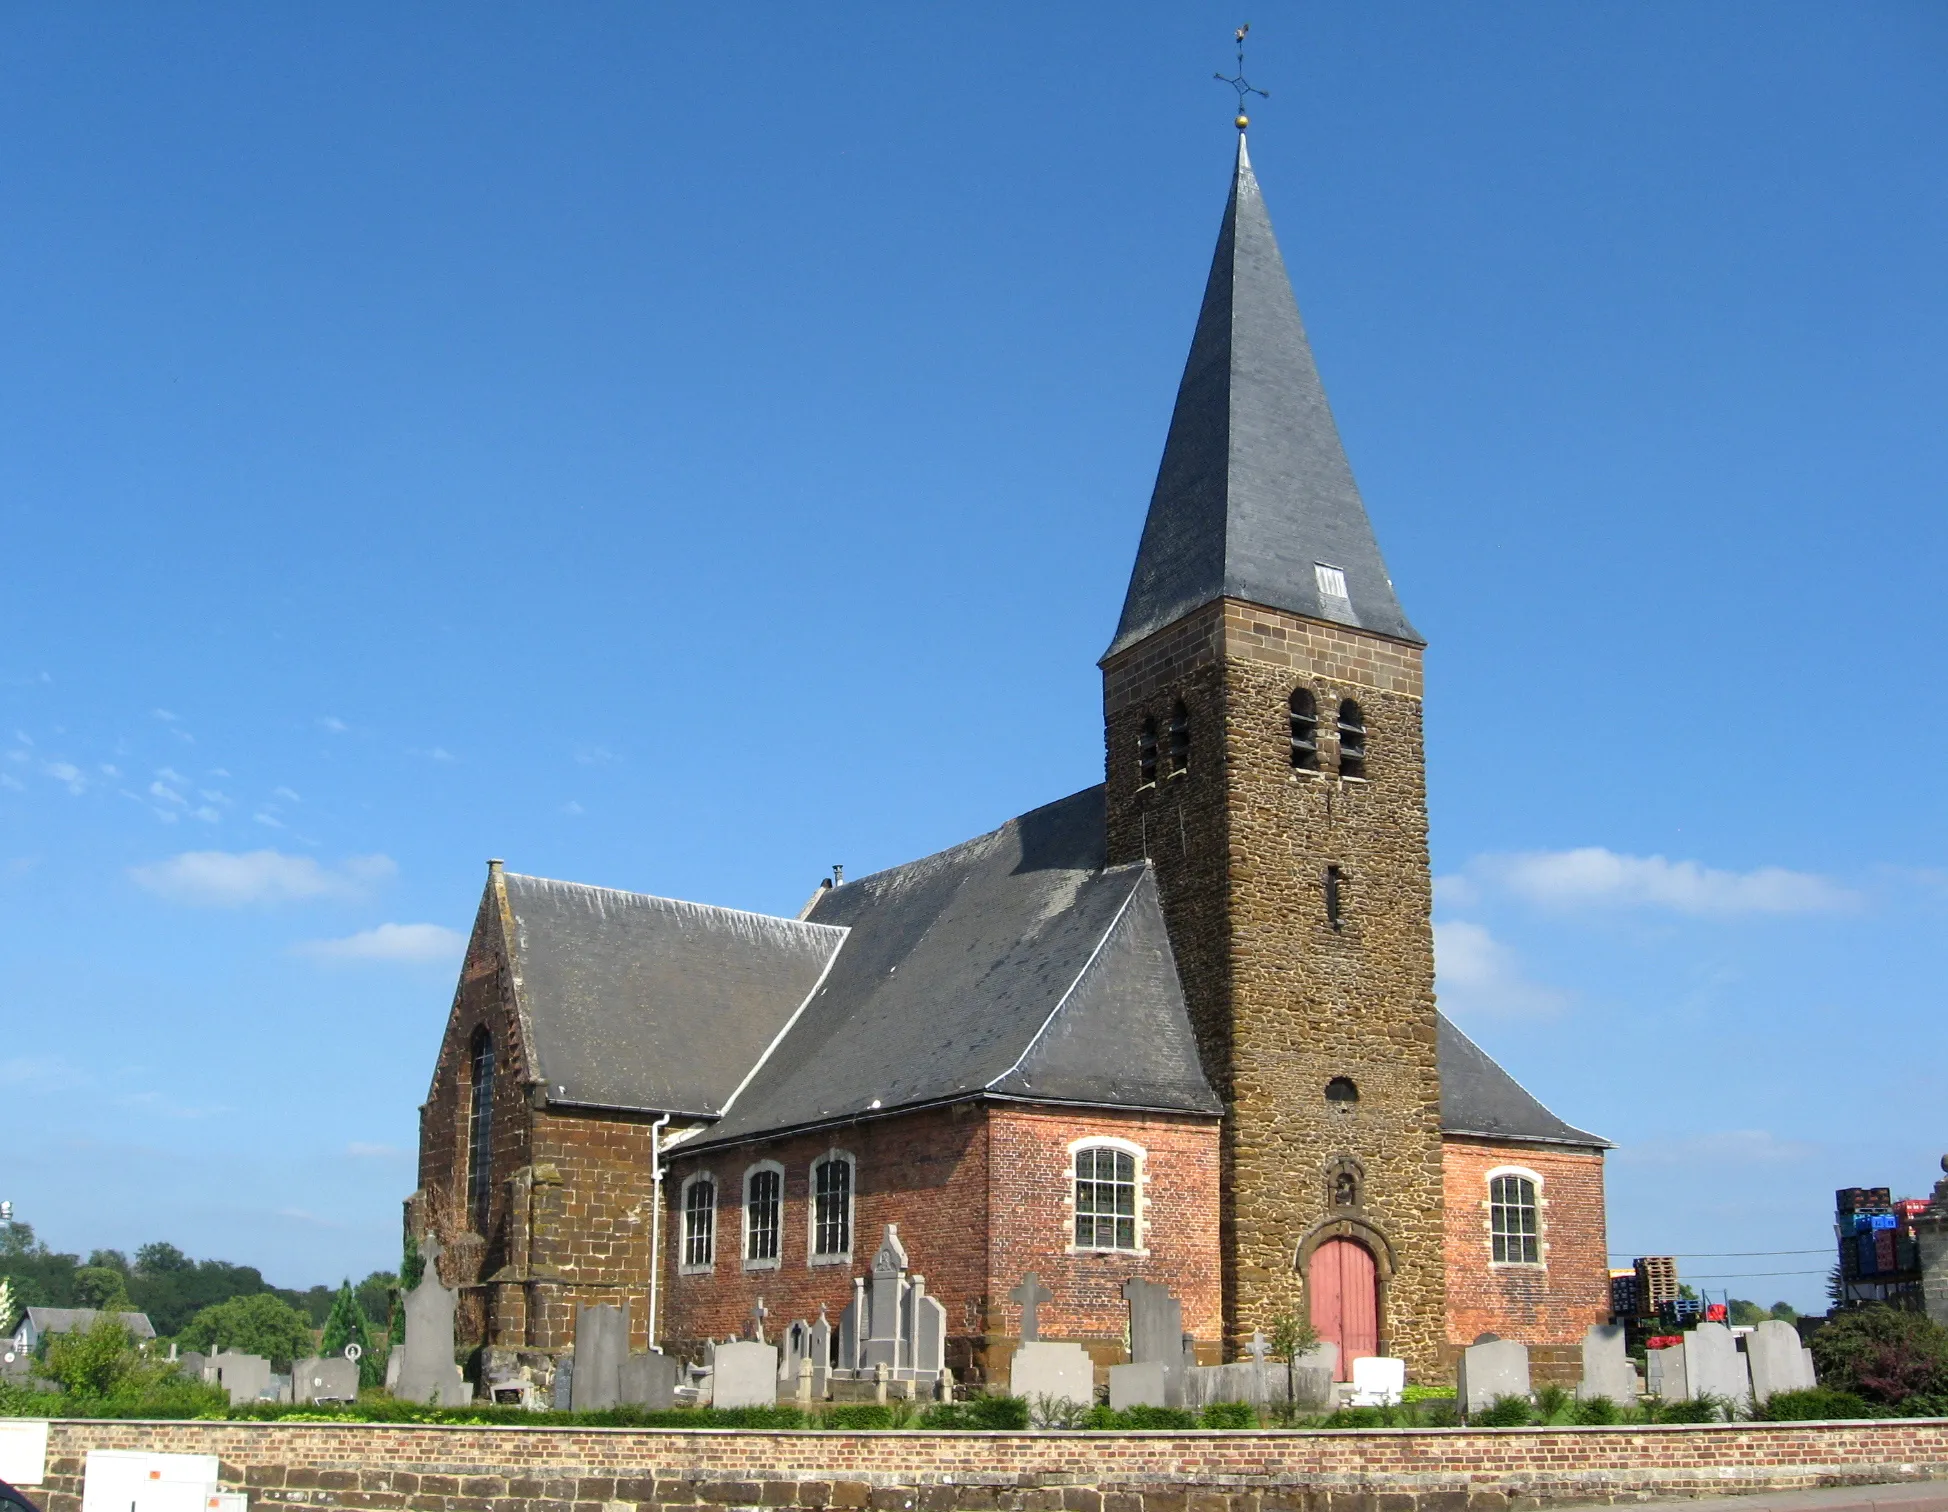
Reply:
x=463, y=1469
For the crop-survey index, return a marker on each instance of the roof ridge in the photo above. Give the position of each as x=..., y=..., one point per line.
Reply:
x=679, y=903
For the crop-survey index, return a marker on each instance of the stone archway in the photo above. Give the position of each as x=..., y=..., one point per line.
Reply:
x=1345, y=1266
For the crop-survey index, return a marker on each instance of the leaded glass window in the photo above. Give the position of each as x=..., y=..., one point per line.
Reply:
x=1105, y=1198
x=1512, y=1220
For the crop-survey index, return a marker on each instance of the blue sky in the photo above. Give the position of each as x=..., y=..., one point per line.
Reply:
x=681, y=449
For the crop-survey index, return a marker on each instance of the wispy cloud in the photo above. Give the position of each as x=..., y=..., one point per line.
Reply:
x=164, y=715
x=332, y=724
x=1595, y=877
x=231, y=879
x=286, y=794
x=1724, y=1147
x=1475, y=975
x=161, y=1106
x=432, y=753
x=573, y=809
x=68, y=775
x=8, y=780
x=269, y=821
x=596, y=755
x=409, y=944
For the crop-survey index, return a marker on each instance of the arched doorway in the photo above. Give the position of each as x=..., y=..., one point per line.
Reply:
x=1344, y=1286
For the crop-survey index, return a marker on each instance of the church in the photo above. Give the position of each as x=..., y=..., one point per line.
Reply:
x=1179, y=1026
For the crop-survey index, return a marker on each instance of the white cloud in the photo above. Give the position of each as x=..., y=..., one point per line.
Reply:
x=167, y=794
x=572, y=808
x=596, y=755
x=412, y=944
x=219, y=772
x=164, y=715
x=286, y=794
x=69, y=774
x=170, y=774
x=8, y=780
x=269, y=821
x=230, y=879
x=1596, y=877
x=110, y=771
x=332, y=724
x=1475, y=975
x=209, y=815
x=1720, y=1148
x=361, y=1151
x=433, y=753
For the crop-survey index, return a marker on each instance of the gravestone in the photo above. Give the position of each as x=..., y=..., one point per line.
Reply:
x=1157, y=1333
x=1664, y=1373
x=1140, y=1385
x=925, y=1326
x=564, y=1387
x=759, y=1312
x=1030, y=1296
x=1240, y=1381
x=886, y=1293
x=192, y=1364
x=1311, y=1386
x=601, y=1345
x=647, y=1380
x=428, y=1373
x=1042, y=1367
x=1378, y=1381
x=332, y=1378
x=1607, y=1371
x=1777, y=1360
x=1713, y=1366
x=1488, y=1371
x=744, y=1374
x=247, y=1377
x=821, y=1354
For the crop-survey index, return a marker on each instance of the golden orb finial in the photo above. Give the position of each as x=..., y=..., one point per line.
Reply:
x=1243, y=121
x=1240, y=83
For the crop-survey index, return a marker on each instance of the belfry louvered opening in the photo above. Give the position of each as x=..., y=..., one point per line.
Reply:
x=1304, y=715
x=1352, y=740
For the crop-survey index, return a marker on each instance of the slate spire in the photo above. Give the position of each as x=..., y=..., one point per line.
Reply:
x=1254, y=499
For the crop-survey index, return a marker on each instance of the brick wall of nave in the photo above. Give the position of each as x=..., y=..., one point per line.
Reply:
x=1284, y=1001
x=1547, y=1304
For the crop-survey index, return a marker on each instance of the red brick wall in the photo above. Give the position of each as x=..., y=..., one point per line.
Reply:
x=397, y=1468
x=1548, y=1304
x=981, y=1195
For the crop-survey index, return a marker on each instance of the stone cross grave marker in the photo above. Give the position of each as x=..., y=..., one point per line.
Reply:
x=758, y=1314
x=1031, y=1294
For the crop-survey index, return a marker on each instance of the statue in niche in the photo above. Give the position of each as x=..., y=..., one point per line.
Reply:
x=1343, y=1182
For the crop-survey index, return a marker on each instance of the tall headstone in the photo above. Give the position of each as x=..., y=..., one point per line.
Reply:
x=1664, y=1374
x=1157, y=1333
x=1489, y=1371
x=888, y=1282
x=247, y=1377
x=821, y=1354
x=601, y=1345
x=852, y=1327
x=744, y=1374
x=926, y=1333
x=1607, y=1371
x=330, y=1379
x=1777, y=1360
x=428, y=1372
x=1714, y=1367
x=1029, y=1297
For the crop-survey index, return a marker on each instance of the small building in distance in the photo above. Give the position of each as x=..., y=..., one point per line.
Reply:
x=39, y=1322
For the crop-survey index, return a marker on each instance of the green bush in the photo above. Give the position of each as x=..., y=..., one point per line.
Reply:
x=997, y=1413
x=1435, y=1412
x=1229, y=1415
x=1702, y=1409
x=1813, y=1405
x=1551, y=1401
x=1158, y=1417
x=1504, y=1412
x=1595, y=1412
x=260, y=1325
x=1884, y=1354
x=1103, y=1418
x=859, y=1415
x=1356, y=1417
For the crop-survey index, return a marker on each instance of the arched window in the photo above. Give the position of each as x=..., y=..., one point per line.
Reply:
x=1305, y=731
x=1352, y=740
x=1179, y=740
x=832, y=1208
x=699, y=1223
x=1341, y=1089
x=1514, y=1225
x=764, y=1203
x=1105, y=1197
x=1146, y=753
x=480, y=1130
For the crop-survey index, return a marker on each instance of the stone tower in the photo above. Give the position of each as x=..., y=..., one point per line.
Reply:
x=1262, y=706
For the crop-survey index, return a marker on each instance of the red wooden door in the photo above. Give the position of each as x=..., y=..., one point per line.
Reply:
x=1346, y=1301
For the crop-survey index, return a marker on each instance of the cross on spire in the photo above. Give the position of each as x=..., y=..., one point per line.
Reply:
x=1240, y=82
x=1031, y=1294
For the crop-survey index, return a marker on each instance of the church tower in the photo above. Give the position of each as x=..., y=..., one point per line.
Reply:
x=1262, y=706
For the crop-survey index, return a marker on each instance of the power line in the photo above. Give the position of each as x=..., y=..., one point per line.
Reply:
x=1737, y=1254
x=1752, y=1275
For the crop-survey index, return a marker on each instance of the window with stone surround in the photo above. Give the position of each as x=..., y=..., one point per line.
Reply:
x=1179, y=739
x=1352, y=740
x=699, y=1223
x=1514, y=1218
x=1146, y=753
x=480, y=1130
x=764, y=1204
x=832, y=1209
x=1304, y=716
x=1106, y=1197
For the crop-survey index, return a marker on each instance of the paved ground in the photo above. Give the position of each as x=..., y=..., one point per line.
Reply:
x=1906, y=1496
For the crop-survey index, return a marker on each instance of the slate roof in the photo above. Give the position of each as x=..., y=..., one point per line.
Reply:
x=1015, y=965
x=60, y=1320
x=1478, y=1097
x=1254, y=489
x=630, y=1001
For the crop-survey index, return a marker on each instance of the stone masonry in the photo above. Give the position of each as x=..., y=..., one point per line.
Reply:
x=1283, y=1001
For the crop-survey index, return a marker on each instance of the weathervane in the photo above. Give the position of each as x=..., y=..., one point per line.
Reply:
x=1241, y=83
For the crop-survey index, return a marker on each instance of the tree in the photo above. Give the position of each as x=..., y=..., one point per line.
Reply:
x=375, y=1294
x=345, y=1324
x=160, y=1259
x=103, y=1287
x=1882, y=1353
x=260, y=1325
x=96, y=1362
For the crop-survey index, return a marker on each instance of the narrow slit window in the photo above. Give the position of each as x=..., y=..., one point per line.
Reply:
x=700, y=1222
x=1335, y=899
x=764, y=1192
x=1179, y=740
x=1352, y=740
x=1305, y=731
x=1513, y=1220
x=1105, y=1198
x=1146, y=753
x=480, y=1132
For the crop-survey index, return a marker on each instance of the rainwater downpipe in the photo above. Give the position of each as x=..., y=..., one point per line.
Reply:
x=655, y=1218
